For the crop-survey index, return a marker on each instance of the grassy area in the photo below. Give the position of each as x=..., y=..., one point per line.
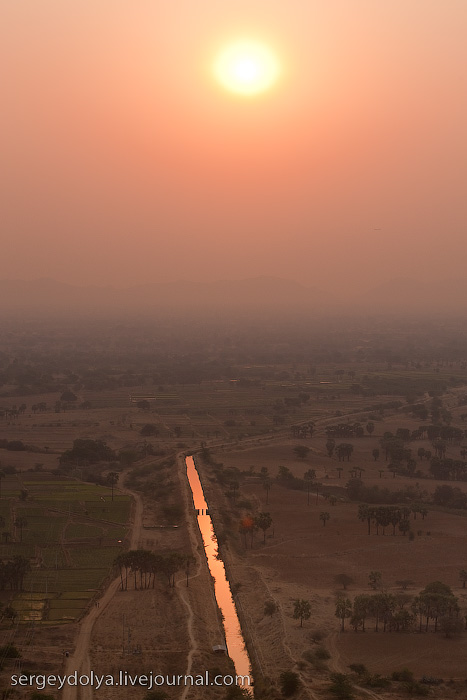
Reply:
x=71, y=532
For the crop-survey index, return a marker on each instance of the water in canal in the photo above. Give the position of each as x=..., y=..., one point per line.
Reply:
x=233, y=633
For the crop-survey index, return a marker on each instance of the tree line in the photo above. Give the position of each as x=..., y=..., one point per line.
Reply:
x=383, y=516
x=435, y=608
x=141, y=566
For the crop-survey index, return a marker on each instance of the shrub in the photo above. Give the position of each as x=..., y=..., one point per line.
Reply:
x=405, y=675
x=341, y=687
x=270, y=607
x=359, y=669
x=414, y=688
x=290, y=683
x=322, y=653
x=9, y=651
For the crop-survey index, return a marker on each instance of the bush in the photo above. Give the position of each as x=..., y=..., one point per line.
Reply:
x=376, y=681
x=149, y=429
x=322, y=653
x=317, y=636
x=341, y=687
x=290, y=683
x=415, y=688
x=359, y=669
x=156, y=695
x=405, y=675
x=9, y=651
x=270, y=607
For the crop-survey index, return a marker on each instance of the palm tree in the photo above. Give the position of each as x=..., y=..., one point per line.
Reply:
x=365, y=513
x=309, y=477
x=263, y=521
x=112, y=479
x=21, y=522
x=324, y=517
x=267, y=483
x=343, y=610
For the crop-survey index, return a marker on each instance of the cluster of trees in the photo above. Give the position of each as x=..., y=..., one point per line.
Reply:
x=357, y=491
x=435, y=604
x=143, y=566
x=13, y=412
x=450, y=497
x=40, y=407
x=304, y=429
x=448, y=469
x=85, y=451
x=13, y=445
x=13, y=572
x=383, y=516
x=348, y=430
x=251, y=524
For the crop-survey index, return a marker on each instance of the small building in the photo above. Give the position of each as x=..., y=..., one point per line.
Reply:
x=219, y=649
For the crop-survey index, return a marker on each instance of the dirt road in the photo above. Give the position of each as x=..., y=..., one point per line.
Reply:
x=79, y=660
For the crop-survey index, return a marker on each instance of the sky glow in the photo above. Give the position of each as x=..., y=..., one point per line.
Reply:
x=124, y=158
x=247, y=67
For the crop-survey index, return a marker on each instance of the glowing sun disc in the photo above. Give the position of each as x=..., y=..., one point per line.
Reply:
x=247, y=68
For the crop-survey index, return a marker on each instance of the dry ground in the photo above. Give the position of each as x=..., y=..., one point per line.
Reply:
x=302, y=557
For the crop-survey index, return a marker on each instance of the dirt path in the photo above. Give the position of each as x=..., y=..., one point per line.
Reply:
x=337, y=667
x=194, y=548
x=79, y=660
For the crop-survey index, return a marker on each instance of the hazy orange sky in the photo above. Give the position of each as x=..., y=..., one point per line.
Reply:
x=123, y=161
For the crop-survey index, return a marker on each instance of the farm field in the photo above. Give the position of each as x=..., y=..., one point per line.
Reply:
x=70, y=532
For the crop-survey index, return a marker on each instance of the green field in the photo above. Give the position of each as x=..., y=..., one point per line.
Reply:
x=70, y=532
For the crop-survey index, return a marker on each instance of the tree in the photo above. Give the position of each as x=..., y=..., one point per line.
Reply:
x=149, y=429
x=263, y=521
x=341, y=686
x=463, y=577
x=290, y=683
x=343, y=610
x=68, y=396
x=370, y=427
x=375, y=454
x=309, y=477
x=330, y=445
x=112, y=479
x=361, y=610
x=374, y=579
x=344, y=579
x=451, y=626
x=365, y=513
x=405, y=583
x=267, y=483
x=247, y=527
x=344, y=450
x=21, y=522
x=270, y=608
x=301, y=451
x=324, y=517
x=302, y=610
x=404, y=527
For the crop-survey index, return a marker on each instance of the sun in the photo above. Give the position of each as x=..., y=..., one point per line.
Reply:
x=246, y=67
